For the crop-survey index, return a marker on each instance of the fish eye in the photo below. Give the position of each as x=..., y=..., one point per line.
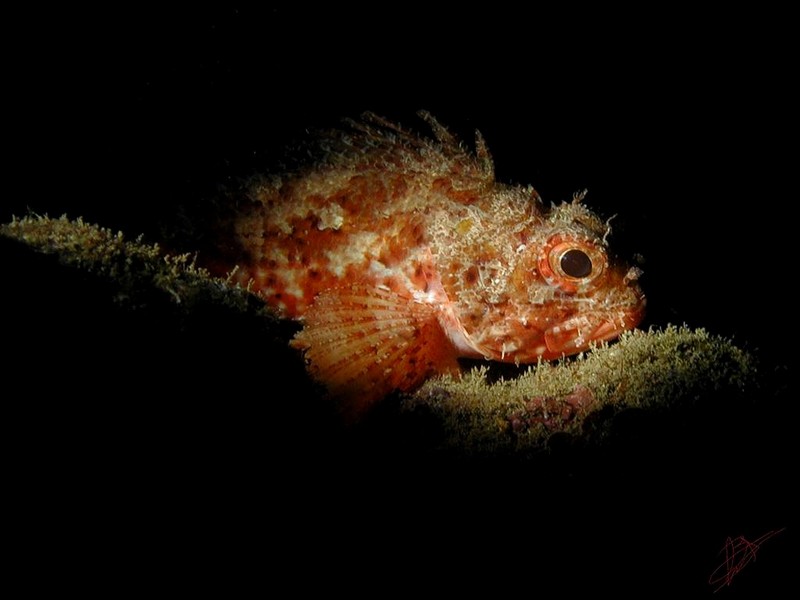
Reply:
x=576, y=263
x=572, y=263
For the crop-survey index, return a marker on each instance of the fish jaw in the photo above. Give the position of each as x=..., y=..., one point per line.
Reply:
x=522, y=343
x=524, y=334
x=581, y=332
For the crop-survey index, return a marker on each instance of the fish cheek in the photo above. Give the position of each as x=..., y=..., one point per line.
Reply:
x=472, y=318
x=526, y=281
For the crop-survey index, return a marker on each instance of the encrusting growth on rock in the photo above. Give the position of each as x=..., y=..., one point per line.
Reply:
x=651, y=370
x=130, y=265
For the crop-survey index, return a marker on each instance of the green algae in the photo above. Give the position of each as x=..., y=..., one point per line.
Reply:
x=648, y=370
x=133, y=266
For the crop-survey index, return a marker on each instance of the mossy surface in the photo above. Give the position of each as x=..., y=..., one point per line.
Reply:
x=579, y=397
x=523, y=412
x=135, y=267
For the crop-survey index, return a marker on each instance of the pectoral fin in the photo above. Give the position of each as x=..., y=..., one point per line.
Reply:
x=364, y=343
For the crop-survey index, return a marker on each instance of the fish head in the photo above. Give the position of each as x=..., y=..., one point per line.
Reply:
x=564, y=294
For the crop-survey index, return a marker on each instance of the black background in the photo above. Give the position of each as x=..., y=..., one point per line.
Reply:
x=681, y=123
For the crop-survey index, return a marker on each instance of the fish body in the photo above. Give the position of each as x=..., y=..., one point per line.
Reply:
x=400, y=253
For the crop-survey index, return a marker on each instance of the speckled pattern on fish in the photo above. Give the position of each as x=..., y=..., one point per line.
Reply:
x=400, y=253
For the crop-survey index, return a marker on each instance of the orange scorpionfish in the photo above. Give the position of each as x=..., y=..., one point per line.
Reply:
x=399, y=254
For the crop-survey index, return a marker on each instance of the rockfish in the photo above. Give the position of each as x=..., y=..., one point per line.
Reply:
x=400, y=253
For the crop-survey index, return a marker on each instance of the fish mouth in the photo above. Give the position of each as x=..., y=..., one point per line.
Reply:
x=580, y=332
x=523, y=335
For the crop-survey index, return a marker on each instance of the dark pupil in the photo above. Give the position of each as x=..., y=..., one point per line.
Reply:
x=576, y=263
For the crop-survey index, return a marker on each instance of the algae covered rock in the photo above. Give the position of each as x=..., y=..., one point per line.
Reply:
x=133, y=266
x=650, y=370
x=522, y=411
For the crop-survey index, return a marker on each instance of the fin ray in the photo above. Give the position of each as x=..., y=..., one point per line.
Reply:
x=363, y=343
